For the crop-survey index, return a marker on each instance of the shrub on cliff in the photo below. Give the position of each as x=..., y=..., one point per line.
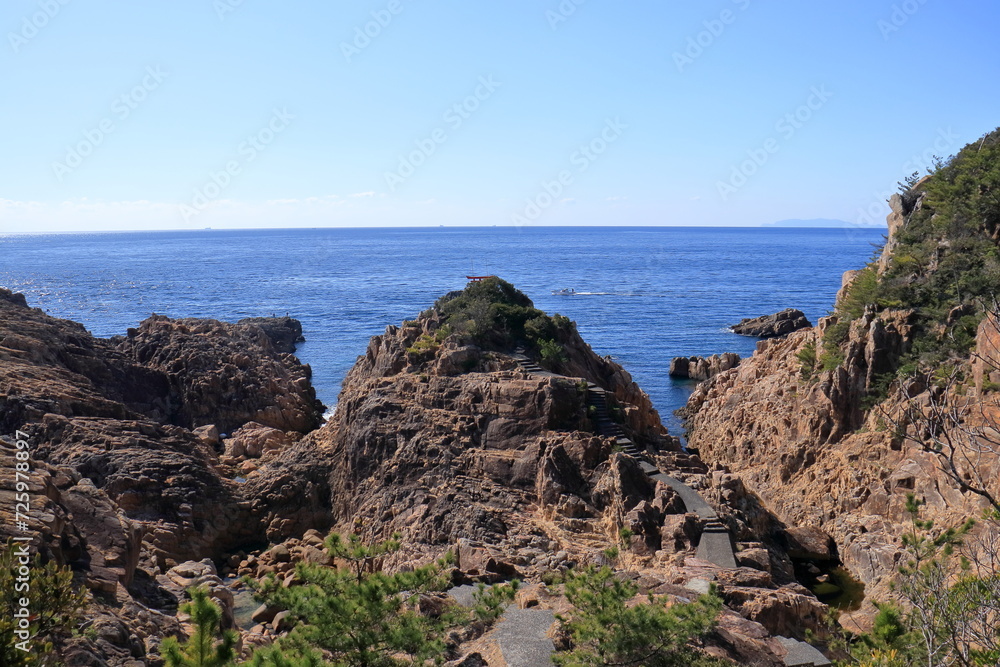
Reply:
x=945, y=265
x=53, y=606
x=947, y=618
x=496, y=314
x=606, y=630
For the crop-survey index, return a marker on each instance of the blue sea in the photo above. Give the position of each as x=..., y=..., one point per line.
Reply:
x=644, y=295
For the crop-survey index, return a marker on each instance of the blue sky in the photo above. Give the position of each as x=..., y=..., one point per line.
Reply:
x=222, y=113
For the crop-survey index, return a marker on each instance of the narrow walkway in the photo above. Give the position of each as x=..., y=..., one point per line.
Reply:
x=521, y=634
x=801, y=654
x=715, y=545
x=523, y=639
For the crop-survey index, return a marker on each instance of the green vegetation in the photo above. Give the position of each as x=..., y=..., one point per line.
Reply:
x=494, y=314
x=945, y=265
x=427, y=345
x=947, y=619
x=359, y=616
x=354, y=615
x=606, y=630
x=54, y=605
x=807, y=357
x=202, y=649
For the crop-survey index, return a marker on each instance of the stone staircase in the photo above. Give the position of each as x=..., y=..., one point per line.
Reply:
x=522, y=633
x=606, y=426
x=715, y=545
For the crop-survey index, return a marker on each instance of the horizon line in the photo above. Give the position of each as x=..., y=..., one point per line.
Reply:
x=765, y=225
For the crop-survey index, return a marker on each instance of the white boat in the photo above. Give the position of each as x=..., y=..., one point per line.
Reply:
x=564, y=291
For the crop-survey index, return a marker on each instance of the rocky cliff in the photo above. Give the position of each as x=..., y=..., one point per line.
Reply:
x=453, y=442
x=123, y=485
x=187, y=451
x=829, y=425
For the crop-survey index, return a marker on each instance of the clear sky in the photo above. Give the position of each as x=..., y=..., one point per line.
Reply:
x=244, y=113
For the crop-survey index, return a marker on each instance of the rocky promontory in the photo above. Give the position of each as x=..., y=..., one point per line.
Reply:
x=189, y=451
x=772, y=326
x=703, y=368
x=128, y=478
x=892, y=396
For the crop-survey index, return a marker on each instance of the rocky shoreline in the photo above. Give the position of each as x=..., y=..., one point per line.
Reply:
x=190, y=451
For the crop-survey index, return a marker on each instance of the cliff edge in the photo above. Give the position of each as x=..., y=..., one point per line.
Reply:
x=830, y=426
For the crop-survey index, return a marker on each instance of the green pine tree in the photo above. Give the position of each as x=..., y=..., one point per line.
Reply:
x=54, y=605
x=360, y=616
x=606, y=630
x=203, y=649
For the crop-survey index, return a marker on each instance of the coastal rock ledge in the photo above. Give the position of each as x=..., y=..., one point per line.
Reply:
x=772, y=326
x=703, y=368
x=188, y=451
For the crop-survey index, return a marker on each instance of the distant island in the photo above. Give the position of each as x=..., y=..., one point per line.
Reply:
x=818, y=222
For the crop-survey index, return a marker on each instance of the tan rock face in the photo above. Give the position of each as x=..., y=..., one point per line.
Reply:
x=814, y=458
x=460, y=443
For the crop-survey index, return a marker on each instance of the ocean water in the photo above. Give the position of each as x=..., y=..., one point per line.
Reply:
x=645, y=295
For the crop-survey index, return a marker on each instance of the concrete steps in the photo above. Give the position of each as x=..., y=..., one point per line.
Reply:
x=715, y=545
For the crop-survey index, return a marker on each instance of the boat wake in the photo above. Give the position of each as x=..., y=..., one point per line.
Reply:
x=573, y=293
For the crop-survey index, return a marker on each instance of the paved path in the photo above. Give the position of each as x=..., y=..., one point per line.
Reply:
x=715, y=545
x=801, y=654
x=522, y=637
x=692, y=499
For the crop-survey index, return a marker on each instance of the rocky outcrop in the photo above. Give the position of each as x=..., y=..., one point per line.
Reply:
x=223, y=374
x=121, y=488
x=796, y=430
x=702, y=368
x=284, y=332
x=812, y=455
x=182, y=453
x=772, y=326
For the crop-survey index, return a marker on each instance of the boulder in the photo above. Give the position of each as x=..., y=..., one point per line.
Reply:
x=702, y=368
x=772, y=326
x=809, y=543
x=253, y=440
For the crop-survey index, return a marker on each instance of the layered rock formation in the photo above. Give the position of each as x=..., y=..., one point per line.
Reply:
x=772, y=326
x=459, y=448
x=121, y=486
x=703, y=368
x=185, y=452
x=810, y=429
